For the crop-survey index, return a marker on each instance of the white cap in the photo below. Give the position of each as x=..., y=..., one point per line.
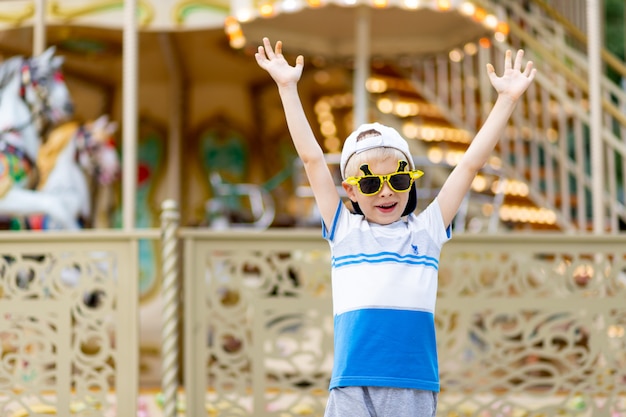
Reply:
x=389, y=138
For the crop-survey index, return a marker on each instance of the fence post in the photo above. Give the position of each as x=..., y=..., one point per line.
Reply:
x=170, y=293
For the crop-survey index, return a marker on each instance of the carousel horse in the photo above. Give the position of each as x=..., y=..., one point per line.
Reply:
x=75, y=160
x=79, y=158
x=33, y=95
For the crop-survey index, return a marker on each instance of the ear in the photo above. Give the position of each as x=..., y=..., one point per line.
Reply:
x=350, y=190
x=46, y=56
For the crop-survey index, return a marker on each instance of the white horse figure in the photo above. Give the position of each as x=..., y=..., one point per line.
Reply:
x=33, y=95
x=76, y=159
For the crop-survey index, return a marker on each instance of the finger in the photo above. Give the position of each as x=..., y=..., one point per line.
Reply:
x=517, y=65
x=279, y=48
x=491, y=72
x=260, y=57
x=268, y=48
x=529, y=68
x=260, y=52
x=299, y=61
x=507, y=60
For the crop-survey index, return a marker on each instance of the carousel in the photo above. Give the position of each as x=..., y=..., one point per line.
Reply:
x=110, y=107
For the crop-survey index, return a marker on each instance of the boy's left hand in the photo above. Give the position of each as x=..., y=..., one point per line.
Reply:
x=513, y=82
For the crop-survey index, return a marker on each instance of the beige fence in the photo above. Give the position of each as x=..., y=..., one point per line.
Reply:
x=530, y=325
x=527, y=325
x=68, y=327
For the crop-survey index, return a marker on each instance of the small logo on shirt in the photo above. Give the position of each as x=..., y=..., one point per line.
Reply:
x=414, y=249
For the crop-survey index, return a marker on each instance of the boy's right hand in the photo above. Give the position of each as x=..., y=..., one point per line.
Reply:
x=276, y=65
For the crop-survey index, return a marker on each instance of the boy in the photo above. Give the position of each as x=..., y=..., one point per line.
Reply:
x=384, y=257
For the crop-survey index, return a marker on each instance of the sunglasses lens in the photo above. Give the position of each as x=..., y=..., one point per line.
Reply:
x=369, y=185
x=400, y=182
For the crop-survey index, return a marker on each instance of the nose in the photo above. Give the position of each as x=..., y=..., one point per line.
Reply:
x=386, y=190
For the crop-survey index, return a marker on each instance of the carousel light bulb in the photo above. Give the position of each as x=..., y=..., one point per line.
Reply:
x=435, y=155
x=237, y=41
x=290, y=6
x=499, y=37
x=443, y=5
x=376, y=85
x=470, y=48
x=266, y=10
x=455, y=55
x=467, y=8
x=503, y=28
x=411, y=4
x=480, y=14
x=385, y=105
x=244, y=15
x=491, y=21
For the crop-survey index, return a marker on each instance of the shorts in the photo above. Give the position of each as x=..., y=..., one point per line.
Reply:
x=380, y=402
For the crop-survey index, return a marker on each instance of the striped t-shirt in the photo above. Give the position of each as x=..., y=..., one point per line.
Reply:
x=384, y=283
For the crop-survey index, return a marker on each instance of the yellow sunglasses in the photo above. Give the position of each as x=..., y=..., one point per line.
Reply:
x=371, y=184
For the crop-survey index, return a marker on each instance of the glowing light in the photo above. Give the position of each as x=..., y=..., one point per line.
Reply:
x=443, y=5
x=499, y=37
x=244, y=15
x=328, y=128
x=332, y=144
x=322, y=105
x=515, y=213
x=376, y=85
x=236, y=39
x=385, y=105
x=491, y=21
x=455, y=55
x=479, y=184
x=435, y=155
x=484, y=43
x=237, y=42
x=467, y=8
x=411, y=4
x=503, y=28
x=290, y=6
x=480, y=14
x=410, y=130
x=266, y=10
x=470, y=48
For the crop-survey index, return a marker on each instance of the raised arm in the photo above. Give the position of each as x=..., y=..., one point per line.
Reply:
x=510, y=86
x=309, y=150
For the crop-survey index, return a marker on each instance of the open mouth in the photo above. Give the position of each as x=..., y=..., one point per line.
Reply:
x=387, y=207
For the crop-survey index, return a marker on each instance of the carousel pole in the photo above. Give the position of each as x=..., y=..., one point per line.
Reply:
x=39, y=28
x=127, y=404
x=129, y=131
x=594, y=46
x=361, y=65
